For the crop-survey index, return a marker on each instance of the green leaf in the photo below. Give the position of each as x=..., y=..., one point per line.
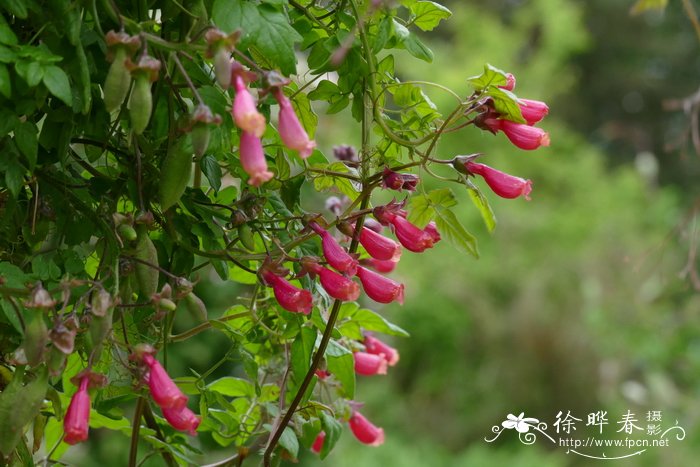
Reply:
x=333, y=429
x=14, y=173
x=13, y=276
x=27, y=141
x=417, y=48
x=212, y=170
x=506, y=103
x=291, y=191
x=275, y=37
x=482, y=204
x=44, y=267
x=19, y=405
x=427, y=15
x=5, y=85
x=324, y=91
x=289, y=441
x=30, y=71
x=17, y=8
x=384, y=33
x=455, y=233
x=56, y=80
x=306, y=115
x=371, y=321
x=645, y=5
x=232, y=387
x=341, y=364
x=230, y=15
x=422, y=207
x=302, y=349
x=7, y=36
x=491, y=76
x=329, y=180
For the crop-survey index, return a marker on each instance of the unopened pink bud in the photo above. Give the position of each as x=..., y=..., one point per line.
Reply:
x=379, y=246
x=182, y=419
x=337, y=285
x=504, y=185
x=399, y=181
x=292, y=133
x=533, y=111
x=335, y=254
x=245, y=112
x=164, y=391
x=379, y=288
x=76, y=421
x=253, y=159
x=376, y=347
x=318, y=442
x=380, y=265
x=368, y=364
x=365, y=431
x=523, y=136
x=289, y=297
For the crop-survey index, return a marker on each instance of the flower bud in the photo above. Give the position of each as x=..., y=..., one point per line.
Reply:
x=76, y=421
x=345, y=153
x=510, y=82
x=533, y=111
x=245, y=112
x=289, y=297
x=398, y=181
x=410, y=236
x=380, y=265
x=334, y=205
x=379, y=246
x=253, y=159
x=376, y=347
x=335, y=254
x=291, y=132
x=368, y=364
x=182, y=419
x=337, y=285
x=365, y=431
x=504, y=185
x=164, y=391
x=431, y=229
x=379, y=288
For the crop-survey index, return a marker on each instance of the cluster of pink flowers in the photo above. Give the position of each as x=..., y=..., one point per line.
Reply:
x=166, y=394
x=252, y=124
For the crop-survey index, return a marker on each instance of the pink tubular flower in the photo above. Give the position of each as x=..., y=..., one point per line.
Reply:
x=164, y=391
x=380, y=265
x=431, y=229
x=399, y=181
x=253, y=159
x=182, y=419
x=379, y=288
x=289, y=297
x=334, y=253
x=376, y=347
x=504, y=185
x=292, y=133
x=373, y=224
x=368, y=364
x=318, y=442
x=533, y=111
x=75, y=423
x=365, y=431
x=378, y=246
x=410, y=236
x=245, y=112
x=523, y=136
x=337, y=285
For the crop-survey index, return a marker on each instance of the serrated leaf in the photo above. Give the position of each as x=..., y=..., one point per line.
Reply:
x=455, y=233
x=324, y=91
x=420, y=210
x=341, y=364
x=333, y=429
x=506, y=103
x=275, y=37
x=56, y=80
x=427, y=15
x=306, y=115
x=491, y=76
x=482, y=204
x=289, y=442
x=230, y=15
x=212, y=170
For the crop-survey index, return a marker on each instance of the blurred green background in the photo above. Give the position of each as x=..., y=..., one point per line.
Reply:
x=577, y=303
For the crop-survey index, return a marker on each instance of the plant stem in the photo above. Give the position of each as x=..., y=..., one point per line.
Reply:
x=134, y=448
